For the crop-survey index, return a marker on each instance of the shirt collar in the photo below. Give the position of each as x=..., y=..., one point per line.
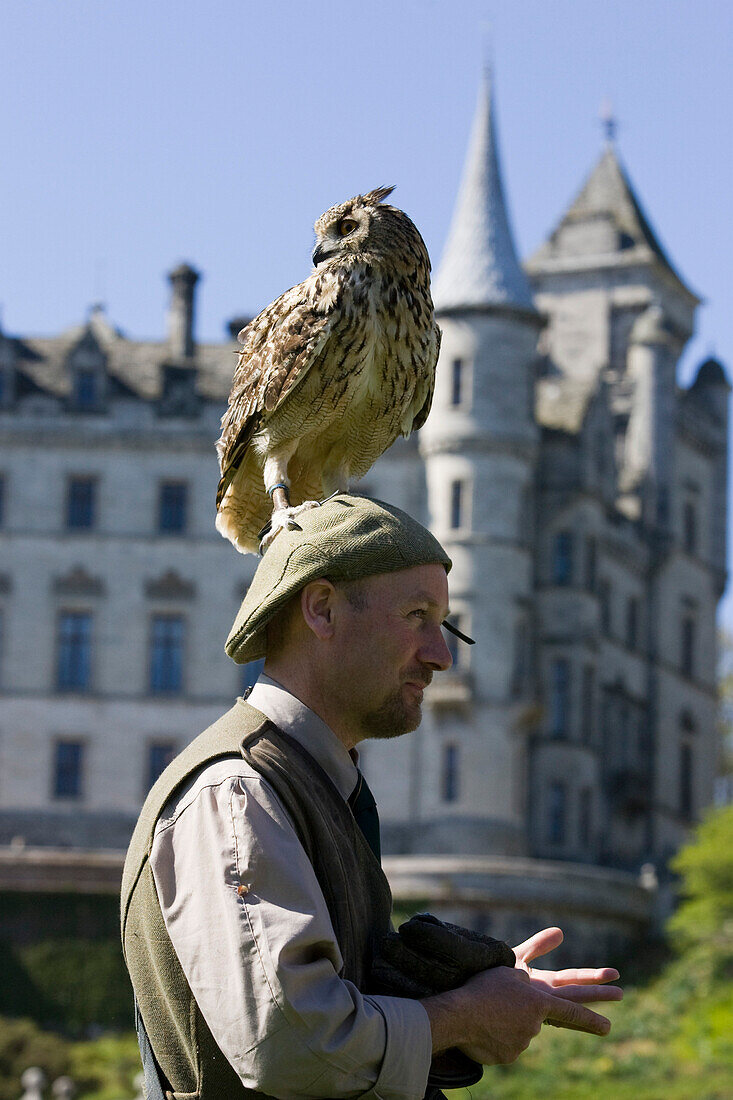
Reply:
x=296, y=719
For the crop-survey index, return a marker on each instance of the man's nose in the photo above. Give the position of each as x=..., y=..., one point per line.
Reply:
x=435, y=651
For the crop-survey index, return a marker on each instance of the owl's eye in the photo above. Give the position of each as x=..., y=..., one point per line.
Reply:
x=346, y=226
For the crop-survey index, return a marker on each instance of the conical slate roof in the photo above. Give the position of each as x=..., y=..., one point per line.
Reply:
x=607, y=193
x=479, y=266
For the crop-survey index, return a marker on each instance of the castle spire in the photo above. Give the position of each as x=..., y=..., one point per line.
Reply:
x=479, y=266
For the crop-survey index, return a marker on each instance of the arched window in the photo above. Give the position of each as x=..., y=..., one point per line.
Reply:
x=560, y=698
x=562, y=558
x=449, y=778
x=689, y=527
x=458, y=382
x=556, y=812
x=687, y=781
x=632, y=622
x=687, y=646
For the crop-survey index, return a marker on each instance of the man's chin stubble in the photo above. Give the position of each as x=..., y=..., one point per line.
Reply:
x=391, y=719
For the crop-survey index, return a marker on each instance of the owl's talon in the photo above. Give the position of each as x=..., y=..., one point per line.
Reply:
x=283, y=519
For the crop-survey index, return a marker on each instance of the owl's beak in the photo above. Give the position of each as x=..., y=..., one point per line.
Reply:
x=319, y=254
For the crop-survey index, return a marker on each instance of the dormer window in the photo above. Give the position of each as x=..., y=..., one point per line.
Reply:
x=87, y=370
x=179, y=396
x=86, y=389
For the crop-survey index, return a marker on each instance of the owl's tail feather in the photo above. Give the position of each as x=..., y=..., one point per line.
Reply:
x=242, y=541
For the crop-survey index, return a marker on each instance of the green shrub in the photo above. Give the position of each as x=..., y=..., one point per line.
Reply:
x=705, y=867
x=23, y=1044
x=68, y=984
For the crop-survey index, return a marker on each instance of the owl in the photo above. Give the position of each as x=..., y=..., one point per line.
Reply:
x=330, y=373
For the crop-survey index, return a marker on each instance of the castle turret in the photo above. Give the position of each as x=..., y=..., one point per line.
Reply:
x=479, y=449
x=649, y=443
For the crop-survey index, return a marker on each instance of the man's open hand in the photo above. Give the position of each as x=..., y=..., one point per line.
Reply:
x=497, y=1013
x=583, y=985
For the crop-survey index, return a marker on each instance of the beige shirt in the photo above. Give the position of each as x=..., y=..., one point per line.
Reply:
x=263, y=963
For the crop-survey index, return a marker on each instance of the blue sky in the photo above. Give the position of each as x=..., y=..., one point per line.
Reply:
x=138, y=134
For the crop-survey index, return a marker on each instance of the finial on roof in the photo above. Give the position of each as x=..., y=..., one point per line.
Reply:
x=608, y=119
x=479, y=266
x=487, y=48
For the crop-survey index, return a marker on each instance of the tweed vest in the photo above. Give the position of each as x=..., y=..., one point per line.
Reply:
x=354, y=887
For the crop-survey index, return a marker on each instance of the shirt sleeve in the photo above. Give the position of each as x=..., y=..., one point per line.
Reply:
x=250, y=926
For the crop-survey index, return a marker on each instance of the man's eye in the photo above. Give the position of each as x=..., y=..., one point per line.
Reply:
x=421, y=612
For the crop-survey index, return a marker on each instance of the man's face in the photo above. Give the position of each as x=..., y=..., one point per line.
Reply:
x=390, y=648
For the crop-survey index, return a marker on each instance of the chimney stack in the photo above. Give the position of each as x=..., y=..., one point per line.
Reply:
x=183, y=280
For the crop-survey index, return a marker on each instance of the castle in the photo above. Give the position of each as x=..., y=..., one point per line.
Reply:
x=579, y=490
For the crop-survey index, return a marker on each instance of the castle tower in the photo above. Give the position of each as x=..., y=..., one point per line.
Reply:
x=479, y=447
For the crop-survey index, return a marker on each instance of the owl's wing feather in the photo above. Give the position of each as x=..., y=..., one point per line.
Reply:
x=279, y=348
x=429, y=376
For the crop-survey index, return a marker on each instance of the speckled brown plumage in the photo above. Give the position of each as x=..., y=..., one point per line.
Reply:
x=332, y=371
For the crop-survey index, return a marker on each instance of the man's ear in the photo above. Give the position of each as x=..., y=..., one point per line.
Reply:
x=317, y=605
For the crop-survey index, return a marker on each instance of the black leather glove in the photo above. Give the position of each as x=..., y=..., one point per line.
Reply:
x=426, y=956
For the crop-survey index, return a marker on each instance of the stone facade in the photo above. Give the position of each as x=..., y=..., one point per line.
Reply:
x=581, y=493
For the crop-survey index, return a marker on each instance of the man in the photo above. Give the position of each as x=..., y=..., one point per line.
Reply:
x=252, y=896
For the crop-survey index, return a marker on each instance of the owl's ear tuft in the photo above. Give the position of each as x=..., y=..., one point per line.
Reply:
x=379, y=194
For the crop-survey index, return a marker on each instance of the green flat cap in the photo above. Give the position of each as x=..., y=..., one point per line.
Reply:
x=346, y=538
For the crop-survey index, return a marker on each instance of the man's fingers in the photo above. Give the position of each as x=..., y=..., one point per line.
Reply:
x=569, y=1014
x=584, y=976
x=585, y=994
x=539, y=944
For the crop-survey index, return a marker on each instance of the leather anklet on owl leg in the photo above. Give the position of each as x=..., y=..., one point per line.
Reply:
x=280, y=495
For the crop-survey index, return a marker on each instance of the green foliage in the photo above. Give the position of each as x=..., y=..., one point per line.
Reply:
x=672, y=1038
x=106, y=1068
x=68, y=984
x=23, y=1044
x=705, y=867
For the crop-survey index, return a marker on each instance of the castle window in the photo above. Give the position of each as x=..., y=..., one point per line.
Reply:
x=250, y=673
x=172, y=507
x=588, y=704
x=86, y=389
x=562, y=558
x=160, y=754
x=584, y=817
x=458, y=382
x=74, y=651
x=457, y=504
x=686, y=800
x=632, y=622
x=166, y=654
x=591, y=562
x=559, y=698
x=687, y=646
x=520, y=664
x=556, y=812
x=449, y=774
x=689, y=527
x=687, y=722
x=81, y=493
x=604, y=602
x=599, y=454
x=67, y=769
